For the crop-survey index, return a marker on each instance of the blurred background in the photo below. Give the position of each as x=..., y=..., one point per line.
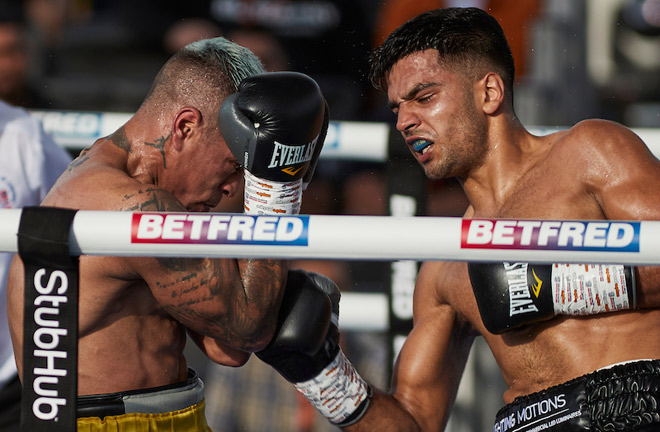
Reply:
x=575, y=59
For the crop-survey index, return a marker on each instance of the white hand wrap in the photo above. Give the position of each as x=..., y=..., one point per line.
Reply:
x=270, y=197
x=585, y=289
x=337, y=392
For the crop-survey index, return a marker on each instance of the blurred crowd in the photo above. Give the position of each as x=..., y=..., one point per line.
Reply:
x=101, y=55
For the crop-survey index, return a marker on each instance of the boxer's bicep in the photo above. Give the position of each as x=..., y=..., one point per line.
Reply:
x=431, y=362
x=214, y=298
x=205, y=295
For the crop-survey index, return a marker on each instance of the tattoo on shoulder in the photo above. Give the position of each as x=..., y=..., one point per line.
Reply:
x=160, y=146
x=81, y=159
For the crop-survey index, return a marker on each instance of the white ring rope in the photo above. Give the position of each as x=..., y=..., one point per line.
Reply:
x=380, y=238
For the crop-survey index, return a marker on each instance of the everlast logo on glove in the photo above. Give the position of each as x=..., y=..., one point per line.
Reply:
x=510, y=295
x=286, y=155
x=520, y=294
x=276, y=125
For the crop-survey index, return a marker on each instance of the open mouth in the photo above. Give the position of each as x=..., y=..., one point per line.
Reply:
x=421, y=146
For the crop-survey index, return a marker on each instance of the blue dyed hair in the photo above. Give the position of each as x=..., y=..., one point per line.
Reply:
x=238, y=62
x=204, y=72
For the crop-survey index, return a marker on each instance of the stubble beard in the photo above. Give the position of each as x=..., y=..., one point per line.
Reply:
x=461, y=155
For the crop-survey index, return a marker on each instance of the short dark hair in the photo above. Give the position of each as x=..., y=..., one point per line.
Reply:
x=467, y=36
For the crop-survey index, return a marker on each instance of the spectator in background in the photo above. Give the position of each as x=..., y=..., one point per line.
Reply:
x=15, y=87
x=30, y=164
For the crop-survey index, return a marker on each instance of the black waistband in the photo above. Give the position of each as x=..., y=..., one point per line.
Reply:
x=110, y=404
x=624, y=397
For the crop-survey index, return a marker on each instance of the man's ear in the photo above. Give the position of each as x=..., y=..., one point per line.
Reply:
x=186, y=124
x=491, y=88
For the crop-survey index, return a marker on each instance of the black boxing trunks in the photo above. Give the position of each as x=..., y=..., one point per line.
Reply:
x=178, y=407
x=623, y=397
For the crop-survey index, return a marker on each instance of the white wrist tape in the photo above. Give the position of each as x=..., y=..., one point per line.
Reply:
x=338, y=391
x=270, y=197
x=585, y=289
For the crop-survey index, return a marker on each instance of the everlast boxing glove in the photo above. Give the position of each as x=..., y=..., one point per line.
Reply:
x=306, y=352
x=275, y=126
x=510, y=295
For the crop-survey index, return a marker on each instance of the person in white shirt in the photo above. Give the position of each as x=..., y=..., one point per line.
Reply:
x=30, y=162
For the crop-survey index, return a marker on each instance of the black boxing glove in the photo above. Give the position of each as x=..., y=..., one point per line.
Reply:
x=275, y=126
x=305, y=340
x=510, y=295
x=305, y=349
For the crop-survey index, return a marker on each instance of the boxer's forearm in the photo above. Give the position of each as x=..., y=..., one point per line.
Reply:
x=385, y=414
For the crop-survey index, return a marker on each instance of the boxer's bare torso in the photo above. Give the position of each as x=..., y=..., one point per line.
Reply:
x=456, y=127
x=130, y=309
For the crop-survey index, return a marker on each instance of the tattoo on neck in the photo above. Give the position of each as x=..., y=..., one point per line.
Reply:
x=120, y=139
x=152, y=199
x=160, y=146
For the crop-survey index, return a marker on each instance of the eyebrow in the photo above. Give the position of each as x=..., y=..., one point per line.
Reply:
x=412, y=93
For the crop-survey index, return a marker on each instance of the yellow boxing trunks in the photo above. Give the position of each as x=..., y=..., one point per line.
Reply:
x=177, y=407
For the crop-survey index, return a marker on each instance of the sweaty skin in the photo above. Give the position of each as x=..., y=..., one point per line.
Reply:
x=134, y=311
x=595, y=170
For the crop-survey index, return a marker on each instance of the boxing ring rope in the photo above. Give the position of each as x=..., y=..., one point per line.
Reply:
x=385, y=238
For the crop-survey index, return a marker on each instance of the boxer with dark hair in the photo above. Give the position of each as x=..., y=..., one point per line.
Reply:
x=571, y=364
x=175, y=154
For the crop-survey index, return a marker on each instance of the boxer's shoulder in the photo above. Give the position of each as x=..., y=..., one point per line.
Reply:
x=597, y=135
x=589, y=148
x=94, y=182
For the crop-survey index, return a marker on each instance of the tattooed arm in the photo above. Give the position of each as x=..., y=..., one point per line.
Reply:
x=235, y=302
